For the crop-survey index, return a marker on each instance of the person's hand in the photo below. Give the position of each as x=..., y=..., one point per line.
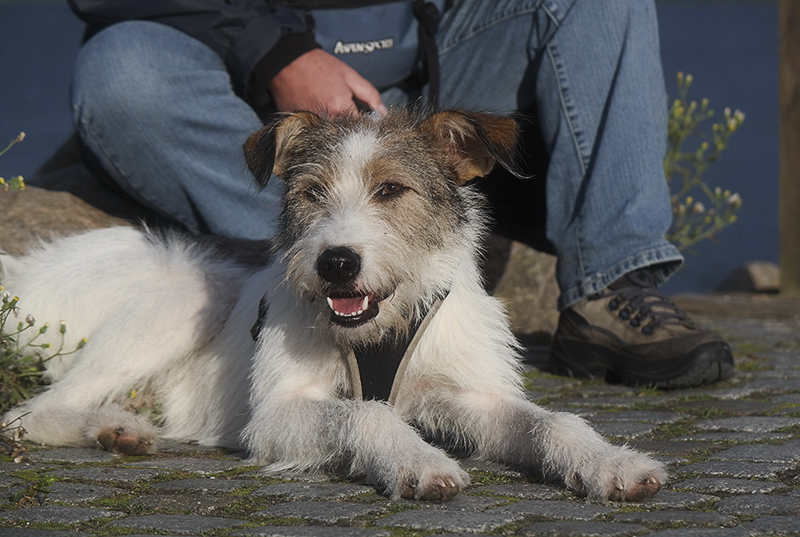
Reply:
x=319, y=80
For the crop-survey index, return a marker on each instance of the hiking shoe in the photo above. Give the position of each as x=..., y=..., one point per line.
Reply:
x=631, y=334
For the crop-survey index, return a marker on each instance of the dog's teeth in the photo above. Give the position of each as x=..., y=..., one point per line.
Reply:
x=360, y=310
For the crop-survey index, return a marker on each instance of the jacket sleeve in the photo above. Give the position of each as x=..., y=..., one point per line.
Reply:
x=255, y=40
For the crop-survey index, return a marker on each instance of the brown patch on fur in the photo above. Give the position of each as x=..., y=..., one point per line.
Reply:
x=474, y=142
x=267, y=150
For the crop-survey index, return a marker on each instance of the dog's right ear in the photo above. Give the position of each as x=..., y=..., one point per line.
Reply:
x=266, y=151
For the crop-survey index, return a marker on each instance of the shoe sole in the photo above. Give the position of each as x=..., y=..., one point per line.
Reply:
x=708, y=363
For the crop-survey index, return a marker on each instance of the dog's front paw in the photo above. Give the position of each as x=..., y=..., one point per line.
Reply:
x=622, y=475
x=635, y=492
x=433, y=478
x=436, y=489
x=118, y=440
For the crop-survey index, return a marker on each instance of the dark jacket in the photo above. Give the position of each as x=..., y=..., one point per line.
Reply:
x=255, y=38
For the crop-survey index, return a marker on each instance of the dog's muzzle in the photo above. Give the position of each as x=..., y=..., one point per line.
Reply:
x=340, y=267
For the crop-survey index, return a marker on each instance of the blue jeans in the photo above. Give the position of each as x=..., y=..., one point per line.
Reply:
x=157, y=109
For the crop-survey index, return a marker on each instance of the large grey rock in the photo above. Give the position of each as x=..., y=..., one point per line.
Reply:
x=753, y=277
x=528, y=289
x=33, y=214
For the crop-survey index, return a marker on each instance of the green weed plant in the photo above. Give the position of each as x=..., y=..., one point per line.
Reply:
x=700, y=212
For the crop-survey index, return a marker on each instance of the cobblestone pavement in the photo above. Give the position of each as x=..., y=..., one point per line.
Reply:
x=733, y=451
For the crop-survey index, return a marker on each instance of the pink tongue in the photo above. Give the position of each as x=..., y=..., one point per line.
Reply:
x=347, y=306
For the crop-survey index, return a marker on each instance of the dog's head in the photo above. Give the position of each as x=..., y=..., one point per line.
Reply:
x=376, y=221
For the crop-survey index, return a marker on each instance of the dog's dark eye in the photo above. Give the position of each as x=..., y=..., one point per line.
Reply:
x=390, y=189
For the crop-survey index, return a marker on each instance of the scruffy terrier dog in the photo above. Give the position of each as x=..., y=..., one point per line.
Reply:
x=371, y=323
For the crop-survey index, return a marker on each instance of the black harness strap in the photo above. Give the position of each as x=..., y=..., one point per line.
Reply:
x=378, y=368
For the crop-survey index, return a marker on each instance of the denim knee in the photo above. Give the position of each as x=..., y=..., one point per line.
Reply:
x=132, y=71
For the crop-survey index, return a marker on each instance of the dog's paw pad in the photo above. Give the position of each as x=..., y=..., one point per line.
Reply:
x=437, y=490
x=641, y=491
x=117, y=440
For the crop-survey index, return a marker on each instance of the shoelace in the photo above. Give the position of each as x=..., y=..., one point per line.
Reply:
x=639, y=303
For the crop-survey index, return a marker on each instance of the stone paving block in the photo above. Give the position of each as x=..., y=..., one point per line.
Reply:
x=581, y=529
x=748, y=424
x=311, y=531
x=757, y=470
x=689, y=518
x=78, y=493
x=623, y=429
x=28, y=532
x=477, y=465
x=555, y=509
x=788, y=452
x=8, y=481
x=206, y=485
x=462, y=502
x=73, y=455
x=789, y=398
x=58, y=514
x=645, y=416
x=185, y=503
x=177, y=524
x=526, y=491
x=726, y=394
x=737, y=531
x=122, y=475
x=7, y=468
x=313, y=491
x=189, y=464
x=605, y=402
x=671, y=461
x=772, y=385
x=728, y=485
x=551, y=383
x=730, y=407
x=734, y=437
x=667, y=499
x=759, y=504
x=434, y=519
x=774, y=525
x=672, y=446
x=460, y=534
x=327, y=511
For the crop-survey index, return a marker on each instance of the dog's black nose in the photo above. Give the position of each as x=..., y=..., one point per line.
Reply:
x=338, y=265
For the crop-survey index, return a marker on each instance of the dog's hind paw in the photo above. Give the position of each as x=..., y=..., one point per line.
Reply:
x=117, y=440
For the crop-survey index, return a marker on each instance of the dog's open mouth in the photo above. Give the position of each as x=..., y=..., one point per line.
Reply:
x=353, y=310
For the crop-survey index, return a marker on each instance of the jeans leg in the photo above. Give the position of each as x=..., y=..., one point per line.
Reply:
x=592, y=71
x=156, y=108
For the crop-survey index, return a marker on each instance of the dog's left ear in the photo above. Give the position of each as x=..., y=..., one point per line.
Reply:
x=474, y=142
x=266, y=150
